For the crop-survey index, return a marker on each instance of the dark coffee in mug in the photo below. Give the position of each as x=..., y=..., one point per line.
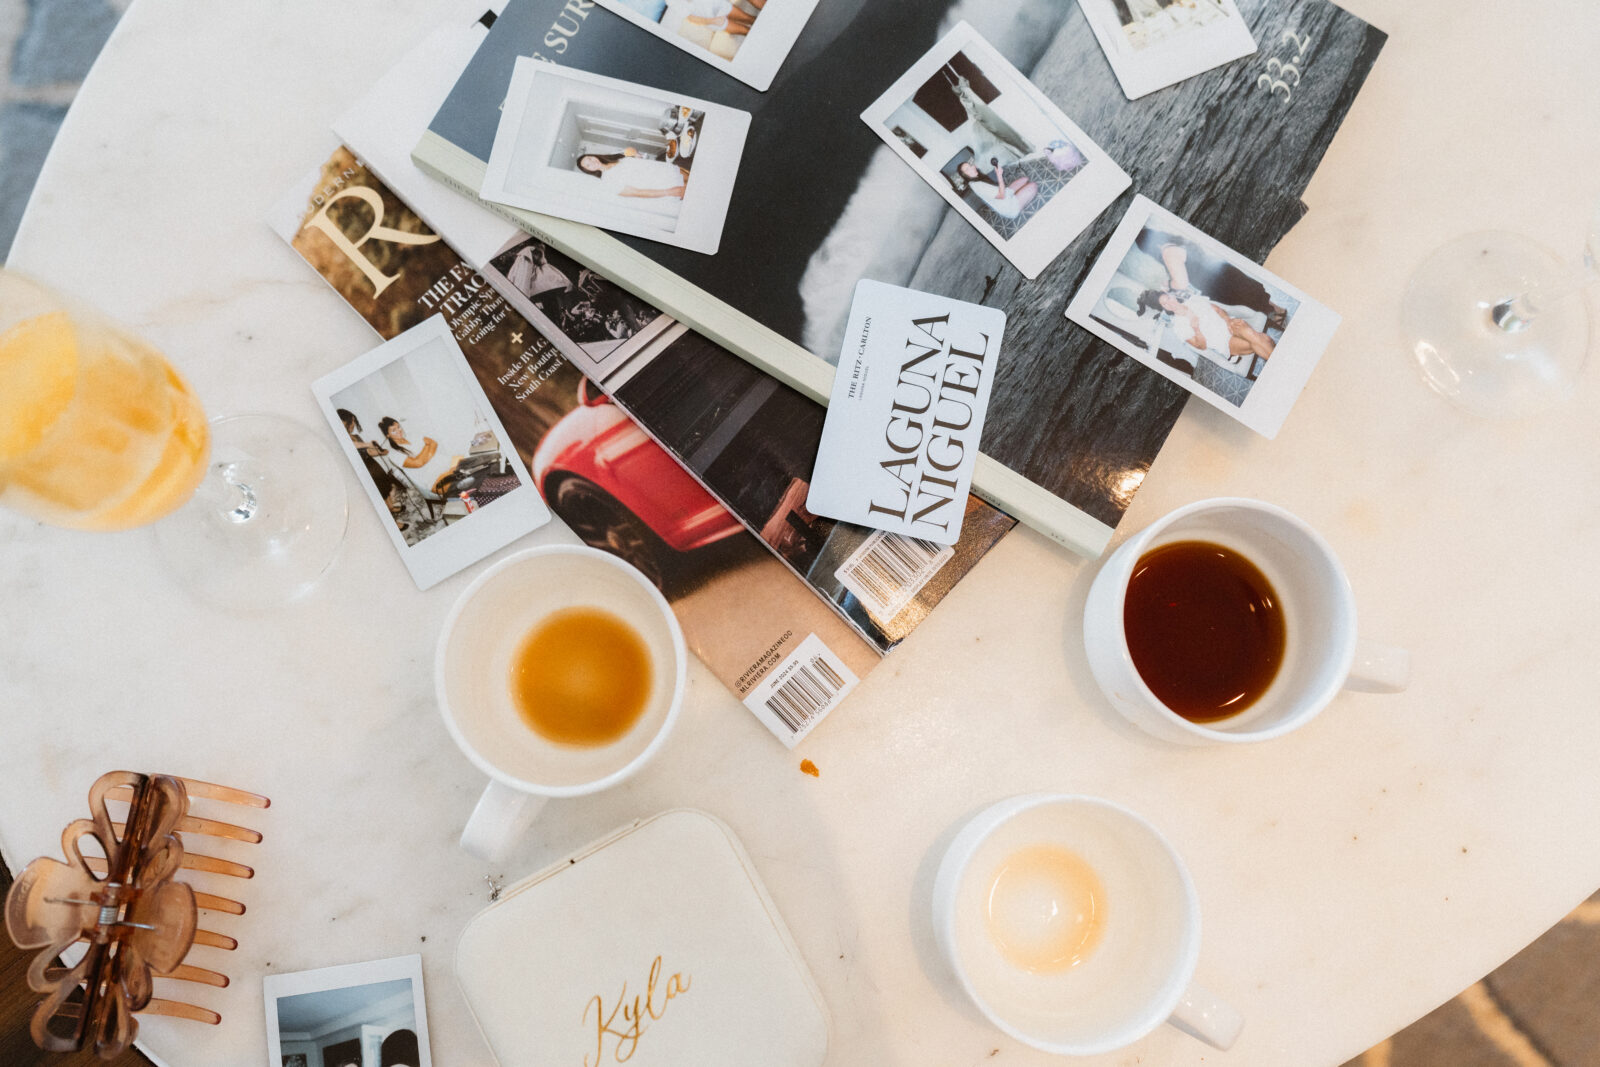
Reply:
x=1204, y=627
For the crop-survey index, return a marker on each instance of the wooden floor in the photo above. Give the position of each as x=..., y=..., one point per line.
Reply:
x=16, y=1006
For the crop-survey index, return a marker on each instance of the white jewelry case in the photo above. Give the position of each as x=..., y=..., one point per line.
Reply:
x=656, y=946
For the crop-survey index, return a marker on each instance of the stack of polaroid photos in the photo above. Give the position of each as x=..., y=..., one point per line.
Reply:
x=988, y=163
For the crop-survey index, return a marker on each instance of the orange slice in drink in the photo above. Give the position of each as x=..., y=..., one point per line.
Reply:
x=179, y=470
x=39, y=364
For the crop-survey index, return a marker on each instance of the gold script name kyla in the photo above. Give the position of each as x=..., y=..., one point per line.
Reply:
x=636, y=1017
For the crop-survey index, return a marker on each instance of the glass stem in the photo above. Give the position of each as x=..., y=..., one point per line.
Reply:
x=1517, y=312
x=246, y=507
x=1514, y=314
x=227, y=492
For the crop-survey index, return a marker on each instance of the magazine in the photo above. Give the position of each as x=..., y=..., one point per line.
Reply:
x=749, y=439
x=821, y=201
x=781, y=650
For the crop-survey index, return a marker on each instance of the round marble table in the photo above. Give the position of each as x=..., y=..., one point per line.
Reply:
x=1352, y=875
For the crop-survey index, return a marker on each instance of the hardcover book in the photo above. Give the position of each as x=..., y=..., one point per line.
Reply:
x=746, y=437
x=821, y=202
x=778, y=647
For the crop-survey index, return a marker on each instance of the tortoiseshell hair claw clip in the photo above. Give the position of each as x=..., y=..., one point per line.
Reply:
x=138, y=922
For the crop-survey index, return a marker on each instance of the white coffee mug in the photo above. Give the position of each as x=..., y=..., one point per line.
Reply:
x=1137, y=974
x=472, y=675
x=1321, y=651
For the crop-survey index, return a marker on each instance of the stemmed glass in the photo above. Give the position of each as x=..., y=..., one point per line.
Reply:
x=99, y=432
x=1498, y=324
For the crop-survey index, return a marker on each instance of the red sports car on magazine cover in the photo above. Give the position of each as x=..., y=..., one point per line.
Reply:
x=620, y=491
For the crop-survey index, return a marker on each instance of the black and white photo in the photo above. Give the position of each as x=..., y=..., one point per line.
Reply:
x=355, y=1015
x=597, y=325
x=1152, y=44
x=624, y=157
x=1000, y=152
x=1182, y=303
x=430, y=453
x=745, y=38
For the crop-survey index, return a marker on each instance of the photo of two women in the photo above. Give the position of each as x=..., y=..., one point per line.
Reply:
x=430, y=453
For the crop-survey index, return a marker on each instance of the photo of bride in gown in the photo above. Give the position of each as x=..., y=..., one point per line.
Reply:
x=1195, y=311
x=1002, y=152
x=1203, y=316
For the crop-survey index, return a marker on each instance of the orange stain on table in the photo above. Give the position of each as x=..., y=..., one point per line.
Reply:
x=807, y=767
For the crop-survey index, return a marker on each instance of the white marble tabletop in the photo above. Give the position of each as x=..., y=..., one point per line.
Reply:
x=1353, y=875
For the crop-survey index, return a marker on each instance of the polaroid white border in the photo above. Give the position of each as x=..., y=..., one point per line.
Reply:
x=760, y=55
x=1143, y=71
x=1067, y=214
x=276, y=986
x=1307, y=335
x=704, y=206
x=486, y=530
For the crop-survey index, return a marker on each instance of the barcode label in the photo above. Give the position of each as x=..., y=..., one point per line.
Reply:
x=889, y=569
x=801, y=690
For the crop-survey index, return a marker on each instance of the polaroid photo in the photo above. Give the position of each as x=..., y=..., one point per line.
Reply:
x=621, y=156
x=745, y=38
x=1156, y=43
x=591, y=320
x=357, y=1015
x=1199, y=313
x=997, y=149
x=430, y=453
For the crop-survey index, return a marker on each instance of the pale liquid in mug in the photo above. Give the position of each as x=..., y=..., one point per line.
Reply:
x=1045, y=909
x=581, y=676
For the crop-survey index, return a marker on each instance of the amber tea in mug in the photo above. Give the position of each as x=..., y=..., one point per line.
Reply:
x=1204, y=627
x=581, y=676
x=1241, y=626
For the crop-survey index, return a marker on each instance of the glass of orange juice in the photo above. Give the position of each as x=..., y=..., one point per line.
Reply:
x=98, y=431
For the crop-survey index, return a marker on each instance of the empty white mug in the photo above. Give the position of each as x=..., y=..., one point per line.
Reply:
x=1139, y=971
x=472, y=675
x=1322, y=654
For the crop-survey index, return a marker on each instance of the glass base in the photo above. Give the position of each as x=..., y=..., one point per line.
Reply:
x=1497, y=324
x=266, y=522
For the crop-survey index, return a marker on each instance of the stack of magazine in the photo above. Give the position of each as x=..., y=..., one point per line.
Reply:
x=641, y=361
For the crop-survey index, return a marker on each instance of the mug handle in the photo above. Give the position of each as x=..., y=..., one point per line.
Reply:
x=502, y=815
x=1379, y=669
x=1203, y=1014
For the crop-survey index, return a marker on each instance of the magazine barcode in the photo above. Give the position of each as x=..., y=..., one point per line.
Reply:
x=889, y=569
x=811, y=690
x=791, y=698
